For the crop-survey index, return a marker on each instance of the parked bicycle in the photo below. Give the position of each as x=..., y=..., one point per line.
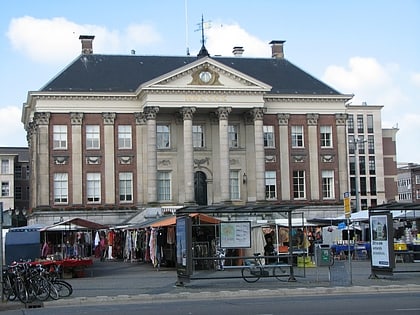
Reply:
x=254, y=269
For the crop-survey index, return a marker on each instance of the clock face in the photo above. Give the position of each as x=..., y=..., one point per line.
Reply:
x=205, y=76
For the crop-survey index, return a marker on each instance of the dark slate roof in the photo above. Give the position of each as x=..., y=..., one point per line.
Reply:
x=125, y=73
x=21, y=152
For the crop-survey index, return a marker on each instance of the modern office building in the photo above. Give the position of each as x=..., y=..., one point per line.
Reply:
x=112, y=136
x=409, y=183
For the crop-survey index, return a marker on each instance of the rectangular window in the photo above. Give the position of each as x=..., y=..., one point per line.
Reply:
x=92, y=137
x=299, y=184
x=93, y=187
x=5, y=189
x=163, y=137
x=61, y=190
x=126, y=186
x=417, y=194
x=124, y=137
x=234, y=185
x=350, y=123
x=372, y=181
x=352, y=165
x=233, y=136
x=163, y=186
x=372, y=166
x=268, y=136
x=60, y=137
x=362, y=165
x=5, y=167
x=328, y=184
x=297, y=137
x=369, y=119
x=361, y=145
x=18, y=193
x=417, y=179
x=270, y=185
x=352, y=144
x=198, y=136
x=326, y=136
x=363, y=187
x=371, y=144
x=360, y=123
x=18, y=171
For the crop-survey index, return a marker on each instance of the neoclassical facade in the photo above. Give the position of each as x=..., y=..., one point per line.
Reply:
x=112, y=136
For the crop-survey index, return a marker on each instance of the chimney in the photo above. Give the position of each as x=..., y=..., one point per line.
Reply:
x=87, y=47
x=238, y=51
x=277, y=49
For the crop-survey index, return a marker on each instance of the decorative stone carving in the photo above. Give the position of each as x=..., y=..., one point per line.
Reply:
x=140, y=118
x=76, y=118
x=270, y=158
x=223, y=112
x=165, y=163
x=298, y=158
x=125, y=160
x=254, y=114
x=283, y=119
x=200, y=162
x=42, y=118
x=61, y=160
x=93, y=160
x=151, y=112
x=187, y=112
x=312, y=119
x=340, y=119
x=327, y=158
x=109, y=118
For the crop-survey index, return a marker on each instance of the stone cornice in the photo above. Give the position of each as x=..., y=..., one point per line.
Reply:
x=307, y=98
x=86, y=97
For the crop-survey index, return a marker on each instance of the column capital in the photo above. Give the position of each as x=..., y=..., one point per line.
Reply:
x=140, y=118
x=151, y=112
x=312, y=119
x=187, y=112
x=254, y=114
x=223, y=112
x=109, y=118
x=42, y=118
x=340, y=119
x=76, y=118
x=283, y=119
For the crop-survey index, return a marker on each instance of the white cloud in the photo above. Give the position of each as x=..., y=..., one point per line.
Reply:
x=221, y=38
x=11, y=128
x=56, y=40
x=415, y=79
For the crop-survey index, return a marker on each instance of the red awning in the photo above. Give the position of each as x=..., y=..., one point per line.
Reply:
x=203, y=218
x=74, y=224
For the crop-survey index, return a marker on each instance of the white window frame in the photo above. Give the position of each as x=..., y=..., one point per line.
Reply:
x=125, y=137
x=5, y=189
x=234, y=187
x=61, y=188
x=60, y=137
x=163, y=136
x=417, y=179
x=297, y=137
x=126, y=186
x=233, y=136
x=164, y=186
x=93, y=187
x=326, y=136
x=268, y=136
x=327, y=184
x=198, y=138
x=93, y=137
x=299, y=185
x=5, y=166
x=270, y=185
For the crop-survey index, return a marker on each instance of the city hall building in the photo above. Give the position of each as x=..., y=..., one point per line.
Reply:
x=113, y=136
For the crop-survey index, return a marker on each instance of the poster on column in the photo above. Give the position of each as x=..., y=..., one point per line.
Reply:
x=381, y=239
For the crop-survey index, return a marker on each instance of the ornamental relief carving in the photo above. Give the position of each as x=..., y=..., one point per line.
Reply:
x=76, y=118
x=61, y=160
x=109, y=118
x=327, y=158
x=93, y=160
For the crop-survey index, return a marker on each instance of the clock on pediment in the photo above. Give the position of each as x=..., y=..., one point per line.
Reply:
x=205, y=76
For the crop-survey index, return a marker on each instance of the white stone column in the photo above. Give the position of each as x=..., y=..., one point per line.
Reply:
x=343, y=176
x=43, y=159
x=141, y=140
x=313, y=143
x=76, y=120
x=151, y=113
x=258, y=115
x=187, y=114
x=109, y=152
x=284, y=154
x=223, y=114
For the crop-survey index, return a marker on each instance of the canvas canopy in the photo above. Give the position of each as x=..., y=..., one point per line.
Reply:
x=172, y=220
x=74, y=224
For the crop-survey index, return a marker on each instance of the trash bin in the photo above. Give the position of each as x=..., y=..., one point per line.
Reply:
x=323, y=255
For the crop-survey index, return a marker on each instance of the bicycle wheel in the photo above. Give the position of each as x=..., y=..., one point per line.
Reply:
x=21, y=291
x=279, y=272
x=8, y=291
x=64, y=288
x=251, y=274
x=41, y=288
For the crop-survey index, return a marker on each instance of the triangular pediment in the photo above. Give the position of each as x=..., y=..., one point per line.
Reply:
x=206, y=74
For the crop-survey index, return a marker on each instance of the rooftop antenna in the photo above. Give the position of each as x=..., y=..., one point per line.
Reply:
x=203, y=51
x=186, y=28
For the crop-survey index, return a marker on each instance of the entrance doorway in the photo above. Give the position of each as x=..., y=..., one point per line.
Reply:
x=200, y=188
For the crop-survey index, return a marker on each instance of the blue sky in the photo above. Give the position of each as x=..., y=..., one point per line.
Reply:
x=367, y=48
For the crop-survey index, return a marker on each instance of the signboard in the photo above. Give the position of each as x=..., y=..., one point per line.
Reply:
x=347, y=205
x=184, y=246
x=382, y=250
x=235, y=234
